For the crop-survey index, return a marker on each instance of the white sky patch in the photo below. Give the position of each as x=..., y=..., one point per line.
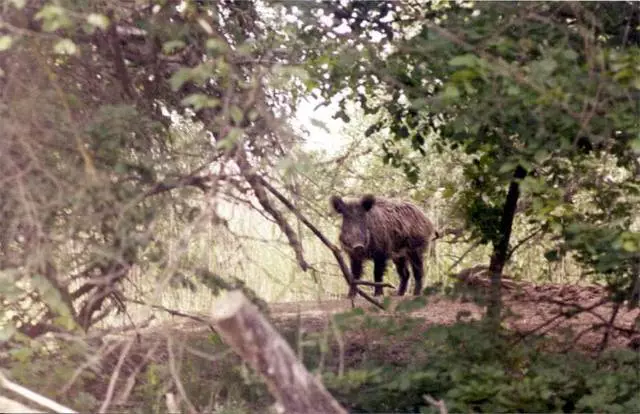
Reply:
x=317, y=138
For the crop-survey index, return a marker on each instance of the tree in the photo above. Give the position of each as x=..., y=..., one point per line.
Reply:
x=539, y=96
x=143, y=111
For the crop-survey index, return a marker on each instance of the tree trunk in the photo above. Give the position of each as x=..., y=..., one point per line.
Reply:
x=250, y=335
x=501, y=251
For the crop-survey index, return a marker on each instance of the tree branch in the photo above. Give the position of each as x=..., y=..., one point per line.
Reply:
x=334, y=249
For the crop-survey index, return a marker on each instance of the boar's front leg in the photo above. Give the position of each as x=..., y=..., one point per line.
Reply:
x=379, y=265
x=356, y=272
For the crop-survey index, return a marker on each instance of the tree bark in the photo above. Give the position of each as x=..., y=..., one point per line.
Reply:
x=250, y=335
x=501, y=251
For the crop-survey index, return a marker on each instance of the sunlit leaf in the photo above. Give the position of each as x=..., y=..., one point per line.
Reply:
x=5, y=42
x=236, y=114
x=215, y=44
x=178, y=79
x=65, y=47
x=172, y=46
x=464, y=60
x=199, y=101
x=205, y=26
x=98, y=20
x=53, y=17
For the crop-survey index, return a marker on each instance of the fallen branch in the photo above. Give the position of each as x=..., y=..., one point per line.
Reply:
x=367, y=283
x=566, y=314
x=248, y=333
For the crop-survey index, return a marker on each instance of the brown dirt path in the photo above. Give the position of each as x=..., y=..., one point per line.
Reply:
x=539, y=309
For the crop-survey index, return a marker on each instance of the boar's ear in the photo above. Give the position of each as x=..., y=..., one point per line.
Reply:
x=368, y=201
x=338, y=204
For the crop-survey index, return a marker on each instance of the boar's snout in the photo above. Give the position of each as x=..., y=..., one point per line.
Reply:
x=359, y=250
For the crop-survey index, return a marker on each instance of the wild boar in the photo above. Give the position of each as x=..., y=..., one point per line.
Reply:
x=378, y=229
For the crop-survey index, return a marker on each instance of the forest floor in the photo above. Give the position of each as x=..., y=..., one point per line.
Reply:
x=578, y=317
x=551, y=310
x=391, y=336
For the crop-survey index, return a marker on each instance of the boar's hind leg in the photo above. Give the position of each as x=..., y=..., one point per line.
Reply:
x=356, y=272
x=403, y=273
x=418, y=271
x=379, y=265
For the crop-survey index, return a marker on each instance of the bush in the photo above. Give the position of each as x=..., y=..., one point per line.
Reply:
x=473, y=371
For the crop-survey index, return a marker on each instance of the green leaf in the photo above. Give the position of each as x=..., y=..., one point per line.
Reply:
x=552, y=255
x=5, y=42
x=65, y=47
x=172, y=46
x=231, y=139
x=291, y=71
x=467, y=59
x=451, y=92
x=507, y=167
x=199, y=101
x=630, y=246
x=98, y=20
x=216, y=44
x=179, y=78
x=541, y=156
x=548, y=65
x=236, y=114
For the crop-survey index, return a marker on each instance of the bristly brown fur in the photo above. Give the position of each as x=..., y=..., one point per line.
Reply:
x=397, y=230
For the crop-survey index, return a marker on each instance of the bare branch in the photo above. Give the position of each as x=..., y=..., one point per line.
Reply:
x=334, y=249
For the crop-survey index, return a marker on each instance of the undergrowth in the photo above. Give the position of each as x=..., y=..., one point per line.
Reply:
x=388, y=365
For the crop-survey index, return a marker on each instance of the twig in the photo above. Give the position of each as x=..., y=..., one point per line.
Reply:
x=469, y=250
x=170, y=311
x=114, y=377
x=566, y=314
x=176, y=377
x=172, y=406
x=131, y=381
x=589, y=310
x=439, y=404
x=346, y=273
x=367, y=283
x=94, y=359
x=521, y=242
x=257, y=183
x=605, y=337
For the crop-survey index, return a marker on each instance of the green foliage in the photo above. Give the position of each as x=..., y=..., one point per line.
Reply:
x=546, y=94
x=473, y=371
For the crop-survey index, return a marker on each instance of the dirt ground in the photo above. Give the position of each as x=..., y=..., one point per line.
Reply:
x=549, y=309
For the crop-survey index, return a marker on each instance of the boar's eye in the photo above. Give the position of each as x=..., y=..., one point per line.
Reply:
x=368, y=201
